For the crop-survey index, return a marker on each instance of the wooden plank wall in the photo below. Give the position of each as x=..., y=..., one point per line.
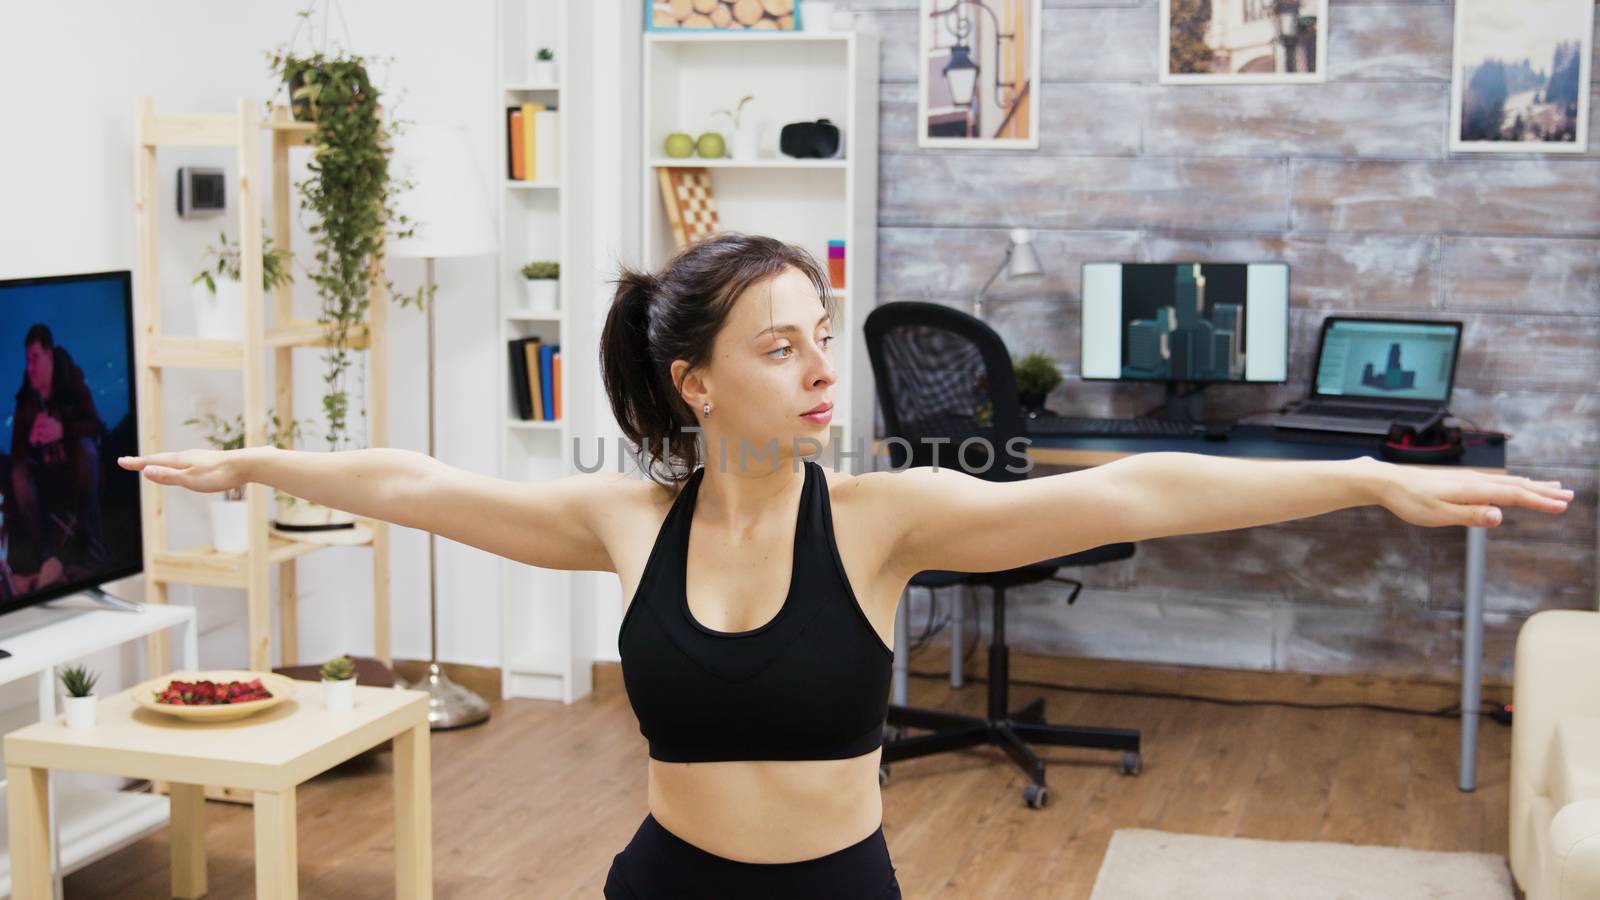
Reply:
x=1351, y=183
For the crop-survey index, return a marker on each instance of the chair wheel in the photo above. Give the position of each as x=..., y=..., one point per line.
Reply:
x=883, y=776
x=1035, y=795
x=1132, y=763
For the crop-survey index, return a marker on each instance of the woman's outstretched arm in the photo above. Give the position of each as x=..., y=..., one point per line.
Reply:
x=947, y=519
x=548, y=524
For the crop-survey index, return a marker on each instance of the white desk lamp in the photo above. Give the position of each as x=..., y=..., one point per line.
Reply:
x=1020, y=262
x=450, y=212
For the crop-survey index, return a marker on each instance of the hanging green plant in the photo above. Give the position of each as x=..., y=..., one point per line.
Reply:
x=351, y=193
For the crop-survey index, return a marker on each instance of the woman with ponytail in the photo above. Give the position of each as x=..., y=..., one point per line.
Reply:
x=757, y=639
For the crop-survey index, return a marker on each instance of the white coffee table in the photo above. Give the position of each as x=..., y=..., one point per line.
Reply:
x=270, y=754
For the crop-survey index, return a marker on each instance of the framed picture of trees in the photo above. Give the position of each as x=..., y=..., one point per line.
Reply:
x=1519, y=78
x=1245, y=41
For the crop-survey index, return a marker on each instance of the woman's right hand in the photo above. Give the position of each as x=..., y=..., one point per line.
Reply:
x=205, y=471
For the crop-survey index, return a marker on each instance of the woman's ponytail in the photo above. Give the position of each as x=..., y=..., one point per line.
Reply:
x=635, y=382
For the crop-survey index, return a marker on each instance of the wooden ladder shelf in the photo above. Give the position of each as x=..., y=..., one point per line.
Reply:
x=247, y=571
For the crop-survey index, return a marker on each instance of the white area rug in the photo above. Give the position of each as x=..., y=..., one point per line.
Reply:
x=1141, y=864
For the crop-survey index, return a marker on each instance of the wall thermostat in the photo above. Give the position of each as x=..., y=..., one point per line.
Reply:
x=201, y=192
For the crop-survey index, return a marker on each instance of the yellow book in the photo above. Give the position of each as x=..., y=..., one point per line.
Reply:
x=528, y=109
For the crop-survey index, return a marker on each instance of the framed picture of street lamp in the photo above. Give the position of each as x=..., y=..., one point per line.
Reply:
x=978, y=74
x=1243, y=41
x=1519, y=77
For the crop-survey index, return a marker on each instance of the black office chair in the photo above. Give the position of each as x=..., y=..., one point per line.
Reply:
x=942, y=373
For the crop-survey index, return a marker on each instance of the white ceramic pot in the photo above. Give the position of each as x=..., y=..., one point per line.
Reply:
x=230, y=523
x=747, y=143
x=220, y=314
x=817, y=15
x=542, y=71
x=541, y=294
x=339, y=696
x=80, y=711
x=300, y=511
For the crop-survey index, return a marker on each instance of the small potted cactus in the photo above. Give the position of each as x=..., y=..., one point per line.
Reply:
x=80, y=700
x=542, y=276
x=339, y=683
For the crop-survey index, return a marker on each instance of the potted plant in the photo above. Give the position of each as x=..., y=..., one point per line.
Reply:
x=339, y=683
x=541, y=285
x=746, y=135
x=79, y=703
x=544, y=67
x=351, y=193
x=1036, y=376
x=227, y=510
x=217, y=294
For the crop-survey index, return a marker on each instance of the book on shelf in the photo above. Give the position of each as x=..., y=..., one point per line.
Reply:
x=532, y=143
x=535, y=379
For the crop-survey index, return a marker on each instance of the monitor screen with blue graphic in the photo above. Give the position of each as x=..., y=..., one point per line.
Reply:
x=1386, y=359
x=69, y=518
x=1195, y=322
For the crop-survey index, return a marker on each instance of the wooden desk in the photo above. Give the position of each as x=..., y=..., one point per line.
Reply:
x=270, y=753
x=1268, y=443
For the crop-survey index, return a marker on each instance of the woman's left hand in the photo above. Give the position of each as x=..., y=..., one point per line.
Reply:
x=1434, y=496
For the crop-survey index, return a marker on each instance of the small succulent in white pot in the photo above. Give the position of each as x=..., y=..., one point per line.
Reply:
x=543, y=71
x=543, y=281
x=79, y=704
x=339, y=683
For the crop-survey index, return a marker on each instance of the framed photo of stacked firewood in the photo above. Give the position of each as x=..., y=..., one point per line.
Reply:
x=721, y=15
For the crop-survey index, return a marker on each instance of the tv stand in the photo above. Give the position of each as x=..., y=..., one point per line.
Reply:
x=111, y=601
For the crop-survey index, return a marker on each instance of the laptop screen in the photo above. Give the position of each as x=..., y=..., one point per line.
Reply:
x=1389, y=360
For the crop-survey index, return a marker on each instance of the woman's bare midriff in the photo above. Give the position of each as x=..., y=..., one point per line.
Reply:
x=774, y=811
x=769, y=811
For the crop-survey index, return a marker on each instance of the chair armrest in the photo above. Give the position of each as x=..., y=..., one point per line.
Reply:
x=1574, y=864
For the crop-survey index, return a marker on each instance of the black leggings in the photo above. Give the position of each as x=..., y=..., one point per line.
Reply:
x=659, y=865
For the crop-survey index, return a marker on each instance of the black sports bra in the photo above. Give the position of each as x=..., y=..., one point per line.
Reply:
x=812, y=683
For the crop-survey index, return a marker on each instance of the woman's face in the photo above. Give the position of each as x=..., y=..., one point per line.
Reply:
x=771, y=365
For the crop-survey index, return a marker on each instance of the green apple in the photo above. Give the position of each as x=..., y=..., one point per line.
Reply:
x=710, y=145
x=679, y=145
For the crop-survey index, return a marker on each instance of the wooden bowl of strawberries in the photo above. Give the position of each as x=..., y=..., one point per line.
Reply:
x=218, y=695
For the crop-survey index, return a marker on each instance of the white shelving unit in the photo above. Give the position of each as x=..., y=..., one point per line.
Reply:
x=546, y=634
x=792, y=77
x=88, y=823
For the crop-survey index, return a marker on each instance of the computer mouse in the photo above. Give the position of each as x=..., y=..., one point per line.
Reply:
x=1218, y=431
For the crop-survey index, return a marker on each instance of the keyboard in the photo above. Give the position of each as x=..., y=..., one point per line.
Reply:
x=1142, y=426
x=1363, y=412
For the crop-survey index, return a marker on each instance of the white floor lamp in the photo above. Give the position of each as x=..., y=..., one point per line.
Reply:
x=450, y=213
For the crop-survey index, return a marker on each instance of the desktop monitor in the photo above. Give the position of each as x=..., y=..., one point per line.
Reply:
x=69, y=520
x=1392, y=359
x=1185, y=322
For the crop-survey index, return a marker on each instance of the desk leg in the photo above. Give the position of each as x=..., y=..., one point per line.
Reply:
x=413, y=828
x=187, y=837
x=277, y=865
x=901, y=668
x=1471, y=656
x=28, y=818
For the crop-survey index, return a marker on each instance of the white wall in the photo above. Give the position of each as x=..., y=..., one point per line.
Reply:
x=72, y=71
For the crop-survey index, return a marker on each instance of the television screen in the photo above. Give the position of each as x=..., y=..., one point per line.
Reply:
x=1192, y=321
x=70, y=515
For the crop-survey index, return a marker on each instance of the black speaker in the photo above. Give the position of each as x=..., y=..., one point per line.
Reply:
x=811, y=140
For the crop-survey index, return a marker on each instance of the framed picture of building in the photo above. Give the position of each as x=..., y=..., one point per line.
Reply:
x=1519, y=78
x=1243, y=41
x=978, y=74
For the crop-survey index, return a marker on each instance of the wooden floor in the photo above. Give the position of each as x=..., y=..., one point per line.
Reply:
x=536, y=802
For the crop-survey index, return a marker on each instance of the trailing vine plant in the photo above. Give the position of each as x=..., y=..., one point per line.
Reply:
x=351, y=193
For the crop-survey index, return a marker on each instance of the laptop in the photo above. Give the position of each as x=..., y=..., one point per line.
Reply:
x=1372, y=373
